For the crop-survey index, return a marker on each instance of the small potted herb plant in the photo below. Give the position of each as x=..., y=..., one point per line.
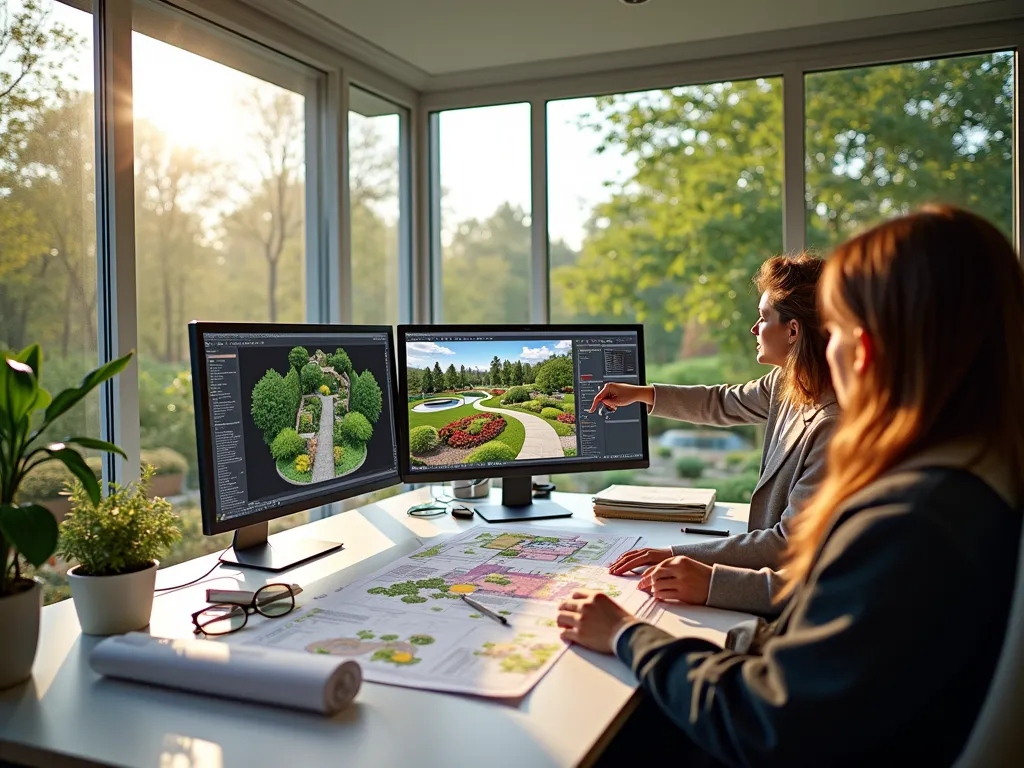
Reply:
x=28, y=531
x=115, y=543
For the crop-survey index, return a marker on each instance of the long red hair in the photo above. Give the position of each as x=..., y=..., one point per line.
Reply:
x=940, y=293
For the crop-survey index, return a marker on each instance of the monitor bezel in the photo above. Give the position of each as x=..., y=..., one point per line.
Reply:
x=204, y=439
x=510, y=470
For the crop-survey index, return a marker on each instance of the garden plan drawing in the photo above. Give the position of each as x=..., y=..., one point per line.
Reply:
x=406, y=624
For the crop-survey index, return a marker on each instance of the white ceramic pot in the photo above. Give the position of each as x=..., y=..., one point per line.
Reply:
x=113, y=605
x=19, y=617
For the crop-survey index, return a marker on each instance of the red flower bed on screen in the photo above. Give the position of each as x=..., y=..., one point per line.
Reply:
x=457, y=436
x=567, y=418
x=497, y=391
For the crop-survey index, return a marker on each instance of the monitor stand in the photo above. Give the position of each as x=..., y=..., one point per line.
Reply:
x=517, y=503
x=252, y=549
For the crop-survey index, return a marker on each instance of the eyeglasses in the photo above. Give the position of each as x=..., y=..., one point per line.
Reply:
x=435, y=508
x=271, y=601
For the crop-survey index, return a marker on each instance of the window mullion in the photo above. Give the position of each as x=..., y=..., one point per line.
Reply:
x=115, y=232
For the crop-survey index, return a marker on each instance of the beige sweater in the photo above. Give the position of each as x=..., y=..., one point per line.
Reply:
x=745, y=575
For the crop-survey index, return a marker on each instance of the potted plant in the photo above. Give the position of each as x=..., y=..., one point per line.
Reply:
x=115, y=542
x=29, y=531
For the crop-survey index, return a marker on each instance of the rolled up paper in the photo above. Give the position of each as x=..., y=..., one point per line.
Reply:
x=310, y=682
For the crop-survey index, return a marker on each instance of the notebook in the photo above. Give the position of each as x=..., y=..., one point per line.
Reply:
x=645, y=502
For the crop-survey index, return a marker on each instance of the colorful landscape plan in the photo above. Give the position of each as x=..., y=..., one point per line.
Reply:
x=406, y=624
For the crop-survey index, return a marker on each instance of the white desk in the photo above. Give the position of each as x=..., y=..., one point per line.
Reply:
x=68, y=715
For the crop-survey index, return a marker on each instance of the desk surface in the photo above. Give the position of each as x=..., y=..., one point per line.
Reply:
x=68, y=715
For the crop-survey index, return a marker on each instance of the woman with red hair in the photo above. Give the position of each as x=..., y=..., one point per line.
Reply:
x=901, y=568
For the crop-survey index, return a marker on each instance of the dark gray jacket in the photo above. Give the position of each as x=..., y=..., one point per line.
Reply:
x=886, y=650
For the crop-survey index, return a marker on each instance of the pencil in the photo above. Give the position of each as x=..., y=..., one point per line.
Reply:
x=485, y=611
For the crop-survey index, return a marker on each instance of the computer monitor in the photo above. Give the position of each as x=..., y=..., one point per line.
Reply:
x=511, y=402
x=289, y=417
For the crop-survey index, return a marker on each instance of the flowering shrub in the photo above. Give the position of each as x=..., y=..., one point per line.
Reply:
x=567, y=390
x=325, y=390
x=497, y=391
x=458, y=435
x=567, y=418
x=302, y=463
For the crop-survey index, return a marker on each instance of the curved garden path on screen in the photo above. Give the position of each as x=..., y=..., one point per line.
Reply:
x=541, y=440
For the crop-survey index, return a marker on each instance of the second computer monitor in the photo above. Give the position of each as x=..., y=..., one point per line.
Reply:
x=513, y=401
x=289, y=417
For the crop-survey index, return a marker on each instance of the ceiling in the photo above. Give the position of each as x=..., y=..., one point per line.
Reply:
x=442, y=37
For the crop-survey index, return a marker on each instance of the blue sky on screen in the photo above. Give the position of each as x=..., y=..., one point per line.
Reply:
x=477, y=354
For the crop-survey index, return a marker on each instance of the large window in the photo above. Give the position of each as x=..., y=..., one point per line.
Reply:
x=485, y=214
x=661, y=206
x=48, y=216
x=883, y=140
x=375, y=196
x=219, y=224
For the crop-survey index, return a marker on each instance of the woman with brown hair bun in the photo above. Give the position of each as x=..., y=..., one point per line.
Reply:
x=901, y=569
x=795, y=402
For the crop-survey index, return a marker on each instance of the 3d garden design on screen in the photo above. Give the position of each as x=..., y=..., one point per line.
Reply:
x=317, y=418
x=484, y=402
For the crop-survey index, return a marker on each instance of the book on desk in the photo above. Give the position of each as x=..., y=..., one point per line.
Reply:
x=662, y=503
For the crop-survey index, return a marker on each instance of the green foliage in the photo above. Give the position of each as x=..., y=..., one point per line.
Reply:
x=167, y=410
x=421, y=640
x=516, y=395
x=271, y=407
x=569, y=451
x=298, y=357
x=476, y=426
x=314, y=407
x=305, y=422
x=664, y=452
x=339, y=455
x=497, y=578
x=340, y=362
x=568, y=406
x=26, y=410
x=690, y=467
x=366, y=396
x=311, y=377
x=550, y=413
x=492, y=451
x=352, y=456
x=164, y=462
x=122, y=533
x=534, y=406
x=389, y=638
x=878, y=141
x=365, y=634
x=355, y=429
x=555, y=374
x=423, y=439
x=414, y=599
x=287, y=445
x=291, y=381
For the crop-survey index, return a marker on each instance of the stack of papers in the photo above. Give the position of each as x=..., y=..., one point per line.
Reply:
x=644, y=502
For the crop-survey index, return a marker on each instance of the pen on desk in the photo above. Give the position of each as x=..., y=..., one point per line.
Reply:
x=485, y=611
x=706, y=531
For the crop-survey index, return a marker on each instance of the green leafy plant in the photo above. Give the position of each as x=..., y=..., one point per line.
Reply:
x=28, y=530
x=516, y=395
x=355, y=429
x=366, y=396
x=423, y=439
x=287, y=445
x=123, y=532
x=493, y=451
x=690, y=467
x=550, y=413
